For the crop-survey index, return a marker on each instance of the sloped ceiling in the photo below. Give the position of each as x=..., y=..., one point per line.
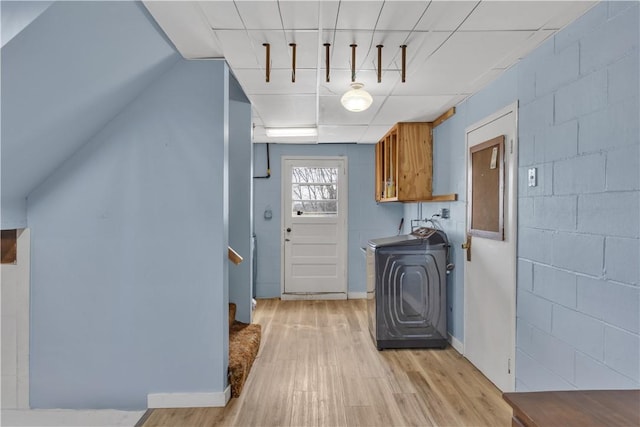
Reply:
x=454, y=48
x=64, y=76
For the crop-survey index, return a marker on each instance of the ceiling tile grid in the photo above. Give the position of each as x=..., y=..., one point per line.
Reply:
x=454, y=48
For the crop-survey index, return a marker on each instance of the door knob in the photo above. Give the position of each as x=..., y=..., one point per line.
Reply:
x=467, y=245
x=289, y=230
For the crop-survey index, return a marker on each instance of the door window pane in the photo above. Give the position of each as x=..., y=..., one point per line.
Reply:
x=314, y=191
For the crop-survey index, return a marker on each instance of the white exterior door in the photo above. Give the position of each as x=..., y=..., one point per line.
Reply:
x=314, y=218
x=490, y=266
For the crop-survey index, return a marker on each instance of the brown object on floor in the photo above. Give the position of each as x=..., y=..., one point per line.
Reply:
x=244, y=343
x=575, y=408
x=318, y=367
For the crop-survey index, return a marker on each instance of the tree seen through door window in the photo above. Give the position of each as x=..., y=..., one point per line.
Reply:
x=314, y=191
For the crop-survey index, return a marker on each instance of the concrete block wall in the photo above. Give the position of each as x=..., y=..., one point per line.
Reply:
x=578, y=294
x=578, y=249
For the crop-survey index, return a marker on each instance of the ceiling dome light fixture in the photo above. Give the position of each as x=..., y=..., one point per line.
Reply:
x=356, y=99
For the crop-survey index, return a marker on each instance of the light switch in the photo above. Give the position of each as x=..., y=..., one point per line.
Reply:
x=532, y=177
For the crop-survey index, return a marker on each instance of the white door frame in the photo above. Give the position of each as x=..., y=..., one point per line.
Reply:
x=511, y=228
x=343, y=195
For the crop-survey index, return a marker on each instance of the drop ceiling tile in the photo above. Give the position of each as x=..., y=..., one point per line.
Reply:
x=373, y=134
x=391, y=51
x=358, y=15
x=441, y=81
x=445, y=15
x=192, y=41
x=462, y=59
x=341, y=82
x=341, y=50
x=482, y=49
x=285, y=110
x=248, y=52
x=259, y=14
x=333, y=113
x=481, y=80
x=513, y=15
x=335, y=134
x=238, y=49
x=253, y=82
x=367, y=53
x=524, y=48
x=574, y=10
x=328, y=14
x=420, y=46
x=221, y=14
x=430, y=83
x=401, y=15
x=281, y=53
x=411, y=109
x=300, y=14
x=443, y=68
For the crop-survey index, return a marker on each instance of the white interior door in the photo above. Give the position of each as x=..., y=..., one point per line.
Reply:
x=314, y=218
x=490, y=268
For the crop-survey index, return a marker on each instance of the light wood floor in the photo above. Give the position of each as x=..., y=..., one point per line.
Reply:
x=317, y=366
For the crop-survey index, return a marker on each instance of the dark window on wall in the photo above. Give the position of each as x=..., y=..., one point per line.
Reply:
x=9, y=246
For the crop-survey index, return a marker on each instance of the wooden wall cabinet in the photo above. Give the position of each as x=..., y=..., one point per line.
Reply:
x=404, y=164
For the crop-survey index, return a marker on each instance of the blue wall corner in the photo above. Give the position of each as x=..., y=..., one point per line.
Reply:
x=65, y=75
x=129, y=253
x=240, y=200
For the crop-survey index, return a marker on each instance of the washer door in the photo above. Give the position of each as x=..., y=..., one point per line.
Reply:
x=411, y=291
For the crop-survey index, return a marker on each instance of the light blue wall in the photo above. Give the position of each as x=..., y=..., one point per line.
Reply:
x=115, y=151
x=578, y=249
x=64, y=77
x=240, y=199
x=367, y=220
x=17, y=15
x=449, y=176
x=129, y=253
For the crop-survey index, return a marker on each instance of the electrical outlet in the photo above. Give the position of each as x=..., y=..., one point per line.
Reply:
x=532, y=177
x=444, y=213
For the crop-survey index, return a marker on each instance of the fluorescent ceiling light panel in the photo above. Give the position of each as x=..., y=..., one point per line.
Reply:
x=290, y=132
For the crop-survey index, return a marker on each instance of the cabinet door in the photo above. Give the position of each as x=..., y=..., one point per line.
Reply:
x=379, y=178
x=415, y=162
x=404, y=164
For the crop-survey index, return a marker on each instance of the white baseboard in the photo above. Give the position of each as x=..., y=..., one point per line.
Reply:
x=357, y=295
x=188, y=400
x=456, y=344
x=328, y=296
